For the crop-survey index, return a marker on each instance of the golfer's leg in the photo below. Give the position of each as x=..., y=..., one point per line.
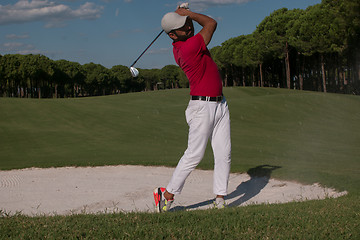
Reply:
x=199, y=133
x=221, y=144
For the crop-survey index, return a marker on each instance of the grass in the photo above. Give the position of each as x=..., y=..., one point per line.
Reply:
x=92, y=131
x=327, y=219
x=313, y=137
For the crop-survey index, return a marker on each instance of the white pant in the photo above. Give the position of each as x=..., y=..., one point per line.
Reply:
x=205, y=119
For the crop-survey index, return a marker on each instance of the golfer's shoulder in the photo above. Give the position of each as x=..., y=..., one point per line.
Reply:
x=191, y=47
x=195, y=42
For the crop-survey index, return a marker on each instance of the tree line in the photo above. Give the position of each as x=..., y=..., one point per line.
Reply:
x=314, y=49
x=37, y=76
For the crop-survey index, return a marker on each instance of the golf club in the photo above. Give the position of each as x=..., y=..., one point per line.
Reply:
x=133, y=70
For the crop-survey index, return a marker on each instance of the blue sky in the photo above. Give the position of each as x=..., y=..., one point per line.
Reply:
x=115, y=32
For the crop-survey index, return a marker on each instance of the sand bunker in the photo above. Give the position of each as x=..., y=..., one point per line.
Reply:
x=72, y=190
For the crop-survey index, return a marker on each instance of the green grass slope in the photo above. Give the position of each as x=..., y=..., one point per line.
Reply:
x=313, y=137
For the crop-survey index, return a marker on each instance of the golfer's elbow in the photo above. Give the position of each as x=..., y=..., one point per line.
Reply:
x=213, y=24
x=211, y=27
x=208, y=30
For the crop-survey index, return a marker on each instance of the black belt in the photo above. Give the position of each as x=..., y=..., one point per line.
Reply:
x=205, y=98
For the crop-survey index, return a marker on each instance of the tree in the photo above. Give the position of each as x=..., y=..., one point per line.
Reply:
x=2, y=76
x=36, y=70
x=9, y=74
x=227, y=59
x=345, y=28
x=151, y=77
x=68, y=78
x=123, y=78
x=169, y=76
x=318, y=31
x=98, y=79
x=275, y=28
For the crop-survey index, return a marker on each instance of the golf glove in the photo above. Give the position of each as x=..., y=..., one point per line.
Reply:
x=184, y=5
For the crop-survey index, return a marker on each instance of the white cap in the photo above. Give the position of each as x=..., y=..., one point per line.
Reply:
x=172, y=21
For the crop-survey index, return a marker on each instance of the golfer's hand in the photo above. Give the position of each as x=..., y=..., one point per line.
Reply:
x=184, y=5
x=208, y=24
x=183, y=11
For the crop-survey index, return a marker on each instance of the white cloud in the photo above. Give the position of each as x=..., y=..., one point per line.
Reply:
x=23, y=48
x=33, y=51
x=87, y=11
x=121, y=33
x=159, y=51
x=12, y=45
x=16, y=47
x=204, y=4
x=14, y=36
x=47, y=11
x=115, y=34
x=55, y=24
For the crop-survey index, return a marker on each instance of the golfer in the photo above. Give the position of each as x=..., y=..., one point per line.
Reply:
x=207, y=113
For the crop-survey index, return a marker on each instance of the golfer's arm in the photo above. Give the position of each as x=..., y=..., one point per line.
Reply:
x=208, y=24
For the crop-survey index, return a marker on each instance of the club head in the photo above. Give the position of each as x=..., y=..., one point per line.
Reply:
x=134, y=72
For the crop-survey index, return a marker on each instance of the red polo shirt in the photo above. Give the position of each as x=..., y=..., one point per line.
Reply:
x=195, y=60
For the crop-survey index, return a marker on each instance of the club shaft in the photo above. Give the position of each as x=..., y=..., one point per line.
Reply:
x=147, y=48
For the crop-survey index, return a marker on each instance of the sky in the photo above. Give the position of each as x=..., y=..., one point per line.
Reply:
x=115, y=32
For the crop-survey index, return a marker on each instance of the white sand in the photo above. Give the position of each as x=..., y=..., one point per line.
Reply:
x=72, y=190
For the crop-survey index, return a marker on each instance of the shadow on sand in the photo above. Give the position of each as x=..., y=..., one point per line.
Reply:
x=259, y=178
